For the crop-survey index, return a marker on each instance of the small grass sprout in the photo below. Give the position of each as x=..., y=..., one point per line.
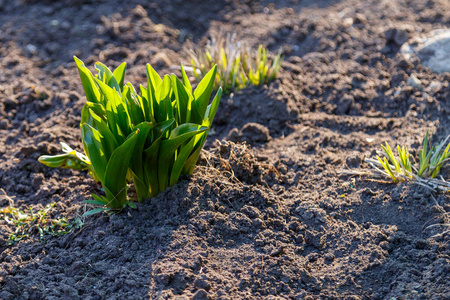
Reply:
x=150, y=138
x=28, y=223
x=405, y=163
x=260, y=69
x=237, y=65
x=431, y=161
x=399, y=167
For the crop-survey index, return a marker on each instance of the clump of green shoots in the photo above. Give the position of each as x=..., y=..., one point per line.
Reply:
x=431, y=161
x=399, y=168
x=237, y=65
x=150, y=138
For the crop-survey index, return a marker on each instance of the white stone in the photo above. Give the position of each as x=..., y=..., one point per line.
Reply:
x=433, y=49
x=434, y=86
x=414, y=82
x=32, y=49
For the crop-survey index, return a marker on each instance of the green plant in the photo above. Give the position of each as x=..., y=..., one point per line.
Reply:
x=71, y=159
x=430, y=162
x=399, y=168
x=28, y=223
x=237, y=65
x=151, y=138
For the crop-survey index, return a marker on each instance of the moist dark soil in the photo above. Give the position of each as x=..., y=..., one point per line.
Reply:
x=267, y=214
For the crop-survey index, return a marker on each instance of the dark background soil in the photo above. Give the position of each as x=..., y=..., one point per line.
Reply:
x=278, y=220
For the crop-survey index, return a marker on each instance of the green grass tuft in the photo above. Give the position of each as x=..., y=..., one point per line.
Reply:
x=237, y=65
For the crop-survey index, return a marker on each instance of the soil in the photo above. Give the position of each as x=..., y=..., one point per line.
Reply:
x=267, y=213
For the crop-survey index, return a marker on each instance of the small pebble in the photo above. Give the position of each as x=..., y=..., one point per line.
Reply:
x=414, y=82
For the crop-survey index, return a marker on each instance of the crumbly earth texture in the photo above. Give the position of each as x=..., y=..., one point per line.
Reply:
x=267, y=214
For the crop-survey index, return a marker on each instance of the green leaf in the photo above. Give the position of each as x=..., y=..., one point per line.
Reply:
x=98, y=108
x=163, y=107
x=424, y=157
x=95, y=211
x=131, y=204
x=440, y=157
x=86, y=116
x=168, y=147
x=118, y=107
x=133, y=102
x=151, y=156
x=146, y=106
x=153, y=76
x=119, y=73
x=160, y=131
x=113, y=203
x=105, y=75
x=53, y=161
x=137, y=163
x=195, y=115
x=184, y=130
x=185, y=79
x=87, y=80
x=142, y=189
x=387, y=149
x=153, y=83
x=70, y=159
x=183, y=99
x=113, y=123
x=151, y=166
x=202, y=93
x=404, y=160
x=100, y=198
x=92, y=140
x=212, y=108
x=109, y=142
x=116, y=171
x=190, y=163
x=384, y=162
x=149, y=138
x=180, y=161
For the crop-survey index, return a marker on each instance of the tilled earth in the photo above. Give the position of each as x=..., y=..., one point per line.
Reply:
x=267, y=214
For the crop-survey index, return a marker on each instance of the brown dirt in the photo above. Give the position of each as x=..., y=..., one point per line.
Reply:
x=272, y=219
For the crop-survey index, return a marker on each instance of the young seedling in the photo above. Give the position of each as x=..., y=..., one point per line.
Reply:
x=237, y=65
x=431, y=161
x=399, y=168
x=26, y=224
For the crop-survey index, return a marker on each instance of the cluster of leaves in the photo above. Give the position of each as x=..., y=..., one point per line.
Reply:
x=237, y=65
x=151, y=138
x=399, y=168
x=36, y=222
